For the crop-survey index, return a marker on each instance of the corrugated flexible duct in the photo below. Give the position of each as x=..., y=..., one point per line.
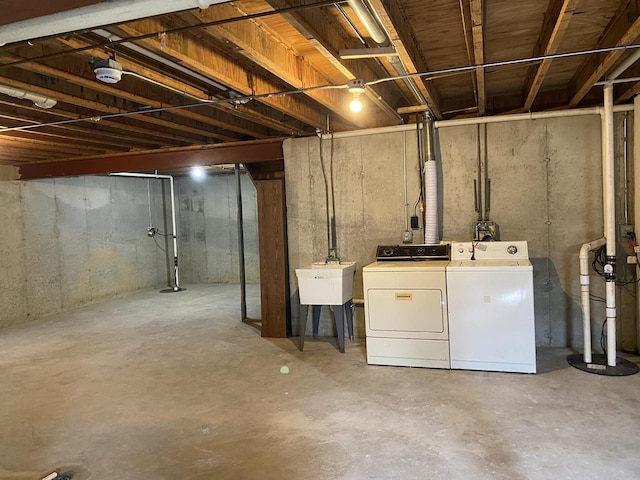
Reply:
x=431, y=231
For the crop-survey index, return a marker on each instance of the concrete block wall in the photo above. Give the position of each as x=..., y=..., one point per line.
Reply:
x=208, y=232
x=545, y=188
x=71, y=241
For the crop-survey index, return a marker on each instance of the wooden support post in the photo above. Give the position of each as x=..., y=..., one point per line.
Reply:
x=272, y=234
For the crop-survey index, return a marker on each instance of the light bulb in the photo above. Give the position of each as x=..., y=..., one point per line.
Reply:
x=197, y=172
x=356, y=105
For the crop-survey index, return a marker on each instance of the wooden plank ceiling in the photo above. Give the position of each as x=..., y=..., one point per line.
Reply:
x=245, y=71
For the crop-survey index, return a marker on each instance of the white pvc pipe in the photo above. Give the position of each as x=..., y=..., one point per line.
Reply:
x=103, y=13
x=630, y=60
x=609, y=222
x=530, y=116
x=173, y=217
x=41, y=101
x=584, y=294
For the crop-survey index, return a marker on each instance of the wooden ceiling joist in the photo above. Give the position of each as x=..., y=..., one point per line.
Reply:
x=313, y=25
x=119, y=91
x=477, y=31
x=260, y=47
x=623, y=29
x=184, y=49
x=248, y=112
x=555, y=24
x=410, y=55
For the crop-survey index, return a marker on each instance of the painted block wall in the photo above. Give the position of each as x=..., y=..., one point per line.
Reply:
x=545, y=188
x=208, y=232
x=71, y=241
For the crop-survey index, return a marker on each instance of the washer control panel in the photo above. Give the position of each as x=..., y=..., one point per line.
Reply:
x=513, y=250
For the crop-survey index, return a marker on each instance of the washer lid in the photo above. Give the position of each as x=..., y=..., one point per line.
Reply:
x=489, y=265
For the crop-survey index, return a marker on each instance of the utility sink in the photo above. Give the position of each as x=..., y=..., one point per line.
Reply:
x=326, y=283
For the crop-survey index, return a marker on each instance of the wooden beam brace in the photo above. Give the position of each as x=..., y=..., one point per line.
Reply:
x=242, y=152
x=555, y=24
x=623, y=29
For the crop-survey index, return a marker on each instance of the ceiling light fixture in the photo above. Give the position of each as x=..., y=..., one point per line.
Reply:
x=197, y=172
x=107, y=70
x=356, y=87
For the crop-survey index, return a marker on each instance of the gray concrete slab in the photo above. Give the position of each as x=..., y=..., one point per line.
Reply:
x=164, y=386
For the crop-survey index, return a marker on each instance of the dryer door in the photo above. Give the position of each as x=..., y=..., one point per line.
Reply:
x=409, y=313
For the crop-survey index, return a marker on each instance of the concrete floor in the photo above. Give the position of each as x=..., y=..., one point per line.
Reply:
x=174, y=386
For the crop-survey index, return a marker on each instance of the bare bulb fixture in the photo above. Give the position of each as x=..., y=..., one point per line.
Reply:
x=356, y=87
x=197, y=172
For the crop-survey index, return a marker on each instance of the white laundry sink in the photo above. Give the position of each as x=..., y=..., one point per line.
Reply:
x=326, y=283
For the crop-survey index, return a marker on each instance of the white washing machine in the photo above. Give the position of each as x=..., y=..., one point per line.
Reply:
x=405, y=305
x=490, y=302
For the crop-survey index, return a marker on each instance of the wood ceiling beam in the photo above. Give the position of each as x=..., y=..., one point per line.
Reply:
x=403, y=39
x=240, y=152
x=107, y=127
x=88, y=134
x=465, y=14
x=66, y=148
x=72, y=75
x=72, y=133
x=314, y=26
x=262, y=48
x=186, y=50
x=98, y=107
x=623, y=29
x=555, y=24
x=249, y=112
x=477, y=32
x=628, y=93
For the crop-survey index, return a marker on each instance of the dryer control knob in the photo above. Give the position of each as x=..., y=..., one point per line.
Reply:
x=461, y=250
x=512, y=249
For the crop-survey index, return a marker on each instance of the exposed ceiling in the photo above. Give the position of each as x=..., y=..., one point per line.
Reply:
x=245, y=71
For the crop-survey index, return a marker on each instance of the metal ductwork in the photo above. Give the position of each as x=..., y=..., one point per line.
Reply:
x=369, y=21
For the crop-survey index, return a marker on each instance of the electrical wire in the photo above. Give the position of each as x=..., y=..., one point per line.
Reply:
x=603, y=337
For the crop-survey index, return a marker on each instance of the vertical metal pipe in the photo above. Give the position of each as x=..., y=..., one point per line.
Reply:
x=609, y=222
x=239, y=220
